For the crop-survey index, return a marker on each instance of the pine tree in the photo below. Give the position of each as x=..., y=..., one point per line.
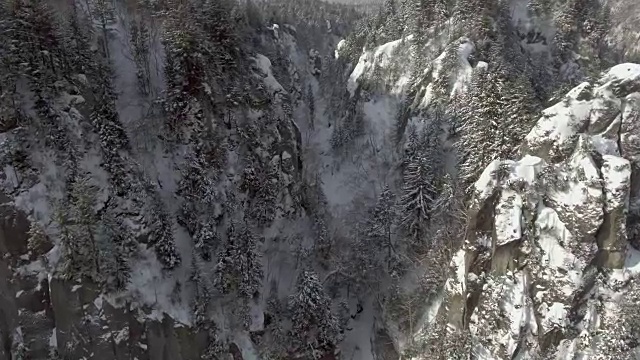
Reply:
x=38, y=240
x=115, y=245
x=422, y=174
x=102, y=12
x=381, y=223
x=206, y=241
x=315, y=329
x=139, y=39
x=239, y=269
x=497, y=112
x=161, y=233
x=77, y=222
x=312, y=106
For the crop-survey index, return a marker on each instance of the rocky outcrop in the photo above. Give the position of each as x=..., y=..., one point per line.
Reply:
x=543, y=227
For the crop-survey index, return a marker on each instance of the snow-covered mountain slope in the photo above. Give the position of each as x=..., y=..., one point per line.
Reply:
x=146, y=219
x=546, y=263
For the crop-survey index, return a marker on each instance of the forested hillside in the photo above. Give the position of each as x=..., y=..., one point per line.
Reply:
x=300, y=179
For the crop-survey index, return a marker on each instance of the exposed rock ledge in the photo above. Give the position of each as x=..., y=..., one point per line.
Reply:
x=547, y=236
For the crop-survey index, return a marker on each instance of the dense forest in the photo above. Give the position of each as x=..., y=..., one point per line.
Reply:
x=301, y=179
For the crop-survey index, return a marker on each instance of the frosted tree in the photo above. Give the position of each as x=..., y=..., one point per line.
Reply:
x=315, y=329
x=312, y=106
x=38, y=240
x=239, y=268
x=77, y=221
x=102, y=12
x=161, y=233
x=423, y=169
x=139, y=39
x=116, y=244
x=381, y=225
x=496, y=114
x=206, y=241
x=201, y=298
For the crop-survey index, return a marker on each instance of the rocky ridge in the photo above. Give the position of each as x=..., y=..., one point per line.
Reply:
x=546, y=256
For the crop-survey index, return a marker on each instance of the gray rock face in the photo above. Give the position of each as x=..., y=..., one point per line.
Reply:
x=547, y=223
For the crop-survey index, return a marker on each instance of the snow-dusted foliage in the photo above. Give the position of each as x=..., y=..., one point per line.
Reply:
x=203, y=179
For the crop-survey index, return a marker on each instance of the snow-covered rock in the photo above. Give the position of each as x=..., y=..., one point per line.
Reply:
x=557, y=214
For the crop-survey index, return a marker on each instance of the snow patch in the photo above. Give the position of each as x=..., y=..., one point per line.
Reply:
x=381, y=57
x=616, y=172
x=264, y=64
x=508, y=218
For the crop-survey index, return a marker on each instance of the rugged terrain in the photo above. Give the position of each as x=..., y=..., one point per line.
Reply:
x=296, y=179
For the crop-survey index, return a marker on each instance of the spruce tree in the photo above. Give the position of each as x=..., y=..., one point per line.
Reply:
x=381, y=225
x=496, y=113
x=422, y=176
x=239, y=269
x=315, y=329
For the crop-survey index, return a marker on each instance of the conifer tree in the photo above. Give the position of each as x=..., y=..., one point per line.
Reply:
x=315, y=329
x=497, y=112
x=422, y=175
x=239, y=269
x=381, y=224
x=77, y=222
x=115, y=245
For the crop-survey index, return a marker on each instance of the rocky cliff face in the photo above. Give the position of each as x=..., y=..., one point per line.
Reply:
x=547, y=256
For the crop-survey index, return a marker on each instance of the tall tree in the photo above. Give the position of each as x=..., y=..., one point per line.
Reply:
x=422, y=174
x=315, y=329
x=381, y=225
x=497, y=112
x=239, y=268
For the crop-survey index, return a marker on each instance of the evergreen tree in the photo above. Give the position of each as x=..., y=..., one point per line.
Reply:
x=161, y=233
x=206, y=241
x=312, y=106
x=239, y=269
x=422, y=176
x=77, y=221
x=497, y=112
x=315, y=329
x=139, y=39
x=381, y=224
x=115, y=246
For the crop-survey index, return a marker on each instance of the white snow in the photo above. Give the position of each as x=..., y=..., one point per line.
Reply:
x=583, y=185
x=465, y=70
x=552, y=236
x=458, y=284
x=518, y=309
x=627, y=71
x=339, y=47
x=381, y=57
x=53, y=339
x=554, y=316
x=616, y=172
x=526, y=169
x=357, y=342
x=604, y=145
x=508, y=217
x=265, y=66
x=149, y=286
x=486, y=183
x=560, y=123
